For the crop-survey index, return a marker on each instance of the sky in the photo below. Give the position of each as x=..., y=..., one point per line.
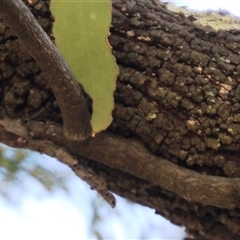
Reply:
x=60, y=215
x=232, y=6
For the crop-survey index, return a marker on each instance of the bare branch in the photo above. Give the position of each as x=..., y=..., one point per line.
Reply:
x=44, y=146
x=133, y=158
x=68, y=93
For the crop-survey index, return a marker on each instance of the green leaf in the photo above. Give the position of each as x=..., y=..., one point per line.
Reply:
x=81, y=29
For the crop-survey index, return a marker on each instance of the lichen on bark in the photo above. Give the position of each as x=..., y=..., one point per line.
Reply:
x=177, y=91
x=190, y=74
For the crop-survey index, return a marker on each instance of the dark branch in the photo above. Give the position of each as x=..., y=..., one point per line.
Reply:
x=132, y=158
x=68, y=93
x=96, y=182
x=177, y=91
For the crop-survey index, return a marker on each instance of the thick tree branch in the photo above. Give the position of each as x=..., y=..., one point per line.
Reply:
x=177, y=91
x=68, y=93
x=133, y=158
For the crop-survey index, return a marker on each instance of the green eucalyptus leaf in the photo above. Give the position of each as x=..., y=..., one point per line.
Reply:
x=81, y=29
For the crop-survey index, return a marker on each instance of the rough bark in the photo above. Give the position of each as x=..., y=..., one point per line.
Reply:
x=16, y=14
x=176, y=119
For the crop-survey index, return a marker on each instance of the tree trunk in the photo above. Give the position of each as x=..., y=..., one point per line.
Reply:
x=174, y=141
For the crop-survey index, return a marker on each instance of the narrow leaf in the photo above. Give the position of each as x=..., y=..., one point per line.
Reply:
x=81, y=29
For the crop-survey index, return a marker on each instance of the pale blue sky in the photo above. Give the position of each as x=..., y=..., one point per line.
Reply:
x=232, y=6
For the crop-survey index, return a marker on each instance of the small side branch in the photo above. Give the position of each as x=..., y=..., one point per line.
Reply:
x=68, y=93
x=25, y=138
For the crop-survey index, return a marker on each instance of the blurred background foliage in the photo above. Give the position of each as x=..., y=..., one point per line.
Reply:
x=27, y=175
x=17, y=164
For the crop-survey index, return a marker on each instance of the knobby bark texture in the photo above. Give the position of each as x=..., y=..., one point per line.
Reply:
x=176, y=107
x=60, y=78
